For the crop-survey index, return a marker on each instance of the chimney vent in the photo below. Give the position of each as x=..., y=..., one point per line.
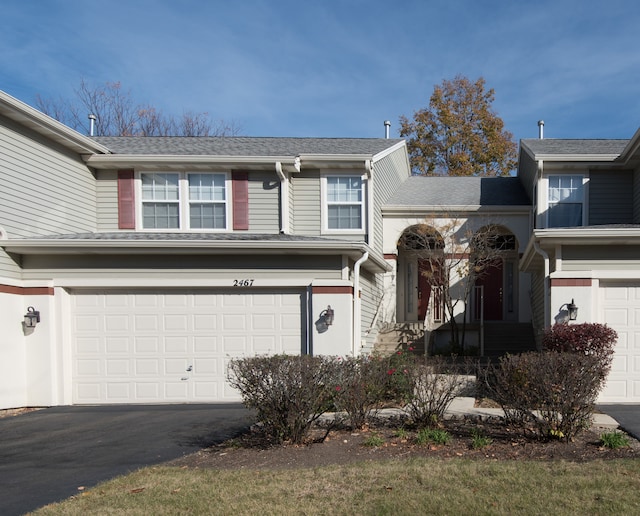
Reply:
x=387, y=127
x=541, y=129
x=92, y=124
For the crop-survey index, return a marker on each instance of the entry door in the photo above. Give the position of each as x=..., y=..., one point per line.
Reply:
x=424, y=287
x=492, y=280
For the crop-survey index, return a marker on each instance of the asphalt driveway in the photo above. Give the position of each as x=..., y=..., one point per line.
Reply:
x=626, y=414
x=47, y=454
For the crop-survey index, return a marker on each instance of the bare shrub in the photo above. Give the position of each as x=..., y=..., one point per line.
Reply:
x=360, y=388
x=288, y=392
x=435, y=382
x=552, y=393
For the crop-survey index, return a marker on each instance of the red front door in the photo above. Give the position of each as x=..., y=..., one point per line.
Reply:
x=493, y=293
x=424, y=287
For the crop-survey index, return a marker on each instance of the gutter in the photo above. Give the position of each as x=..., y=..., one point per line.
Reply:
x=357, y=323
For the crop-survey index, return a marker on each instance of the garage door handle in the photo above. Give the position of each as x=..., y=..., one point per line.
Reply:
x=184, y=378
x=190, y=368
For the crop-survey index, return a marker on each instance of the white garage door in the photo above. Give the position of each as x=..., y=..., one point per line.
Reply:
x=621, y=305
x=150, y=347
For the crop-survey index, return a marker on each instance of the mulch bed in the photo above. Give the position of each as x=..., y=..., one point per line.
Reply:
x=343, y=446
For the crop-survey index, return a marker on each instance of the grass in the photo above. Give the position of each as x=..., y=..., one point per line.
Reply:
x=433, y=435
x=382, y=487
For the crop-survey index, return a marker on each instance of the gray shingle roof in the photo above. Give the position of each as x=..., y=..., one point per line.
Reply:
x=459, y=191
x=572, y=147
x=242, y=146
x=143, y=236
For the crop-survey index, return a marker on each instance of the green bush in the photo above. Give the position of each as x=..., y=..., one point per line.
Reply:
x=614, y=440
x=287, y=392
x=552, y=393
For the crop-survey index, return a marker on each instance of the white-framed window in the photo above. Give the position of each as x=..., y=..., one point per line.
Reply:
x=184, y=200
x=344, y=203
x=565, y=201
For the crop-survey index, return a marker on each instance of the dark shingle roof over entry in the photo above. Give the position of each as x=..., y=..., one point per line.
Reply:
x=459, y=191
x=243, y=146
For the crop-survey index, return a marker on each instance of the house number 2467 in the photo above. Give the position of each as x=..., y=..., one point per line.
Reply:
x=243, y=283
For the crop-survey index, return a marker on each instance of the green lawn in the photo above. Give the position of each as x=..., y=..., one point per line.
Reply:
x=416, y=486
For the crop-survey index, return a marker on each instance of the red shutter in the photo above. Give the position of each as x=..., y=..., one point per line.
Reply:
x=240, y=182
x=126, y=200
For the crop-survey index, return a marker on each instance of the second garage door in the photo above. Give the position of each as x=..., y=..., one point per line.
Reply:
x=173, y=346
x=621, y=307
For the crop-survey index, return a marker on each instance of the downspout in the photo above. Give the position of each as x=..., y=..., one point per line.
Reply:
x=370, y=226
x=284, y=199
x=545, y=256
x=357, y=323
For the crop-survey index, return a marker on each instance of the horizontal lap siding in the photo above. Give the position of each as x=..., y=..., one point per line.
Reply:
x=264, y=191
x=107, y=200
x=264, y=203
x=44, y=190
x=586, y=258
x=305, y=189
x=388, y=174
x=372, y=291
x=610, y=197
x=636, y=197
x=302, y=269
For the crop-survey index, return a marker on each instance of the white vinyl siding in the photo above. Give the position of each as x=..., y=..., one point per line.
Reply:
x=565, y=201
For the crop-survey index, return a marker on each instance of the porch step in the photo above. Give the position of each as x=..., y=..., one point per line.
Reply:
x=501, y=338
x=396, y=337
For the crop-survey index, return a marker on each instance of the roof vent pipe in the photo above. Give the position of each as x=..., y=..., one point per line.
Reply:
x=387, y=127
x=92, y=124
x=541, y=129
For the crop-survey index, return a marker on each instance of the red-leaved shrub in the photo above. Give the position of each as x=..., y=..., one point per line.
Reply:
x=592, y=339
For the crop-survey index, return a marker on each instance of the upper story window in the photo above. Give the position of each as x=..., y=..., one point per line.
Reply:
x=344, y=202
x=173, y=200
x=565, y=201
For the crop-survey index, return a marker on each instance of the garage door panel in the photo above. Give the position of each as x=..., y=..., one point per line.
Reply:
x=621, y=311
x=146, y=347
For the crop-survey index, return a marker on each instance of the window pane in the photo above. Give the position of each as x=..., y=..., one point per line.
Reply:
x=344, y=189
x=565, y=215
x=160, y=216
x=345, y=217
x=207, y=187
x=160, y=187
x=207, y=216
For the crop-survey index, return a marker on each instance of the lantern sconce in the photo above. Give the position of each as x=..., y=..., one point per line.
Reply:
x=31, y=318
x=327, y=315
x=572, y=309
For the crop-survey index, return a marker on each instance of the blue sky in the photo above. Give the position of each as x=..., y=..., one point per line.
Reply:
x=336, y=68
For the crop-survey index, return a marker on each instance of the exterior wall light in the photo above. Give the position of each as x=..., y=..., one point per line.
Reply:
x=31, y=318
x=572, y=309
x=327, y=315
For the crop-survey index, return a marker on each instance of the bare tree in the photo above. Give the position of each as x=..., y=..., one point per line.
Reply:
x=118, y=114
